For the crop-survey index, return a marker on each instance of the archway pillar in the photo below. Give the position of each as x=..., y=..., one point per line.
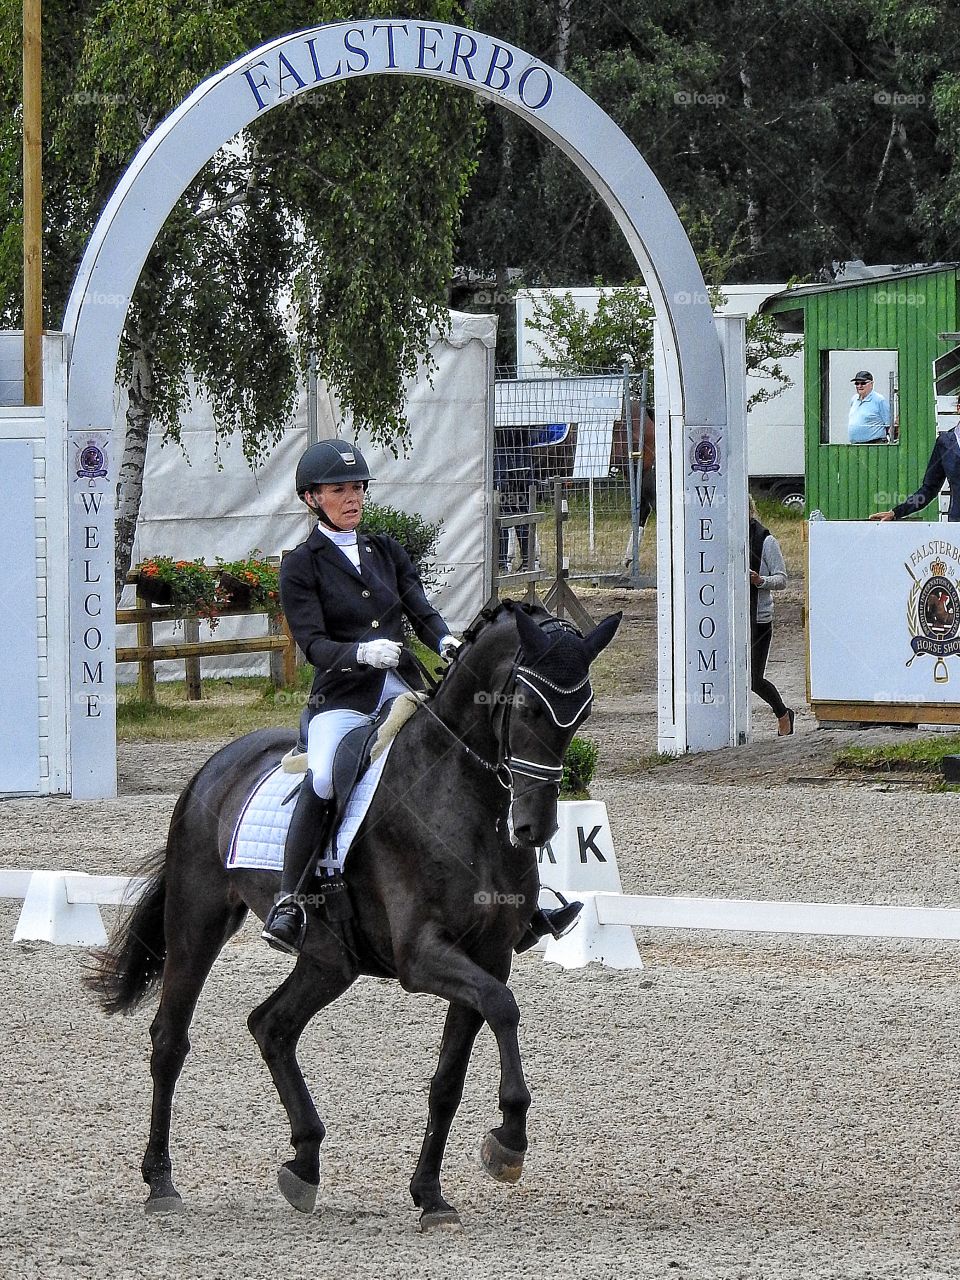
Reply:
x=703, y=636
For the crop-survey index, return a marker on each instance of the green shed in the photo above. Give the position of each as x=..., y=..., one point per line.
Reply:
x=894, y=325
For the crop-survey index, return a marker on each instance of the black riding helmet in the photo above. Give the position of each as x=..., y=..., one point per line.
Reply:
x=330, y=462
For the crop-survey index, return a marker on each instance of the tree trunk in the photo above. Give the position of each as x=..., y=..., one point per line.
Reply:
x=130, y=484
x=753, y=204
x=563, y=34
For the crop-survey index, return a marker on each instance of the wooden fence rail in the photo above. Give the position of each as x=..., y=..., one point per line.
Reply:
x=278, y=642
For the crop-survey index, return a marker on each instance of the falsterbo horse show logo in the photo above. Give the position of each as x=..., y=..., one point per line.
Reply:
x=705, y=450
x=933, y=613
x=92, y=459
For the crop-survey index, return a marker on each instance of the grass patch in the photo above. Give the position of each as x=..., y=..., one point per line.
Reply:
x=655, y=759
x=786, y=525
x=924, y=755
x=229, y=707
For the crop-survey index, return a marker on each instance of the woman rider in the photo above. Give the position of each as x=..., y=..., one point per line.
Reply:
x=345, y=597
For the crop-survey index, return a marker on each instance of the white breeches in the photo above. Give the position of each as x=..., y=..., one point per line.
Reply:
x=328, y=729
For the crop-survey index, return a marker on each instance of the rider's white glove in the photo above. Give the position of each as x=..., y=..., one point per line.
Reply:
x=448, y=646
x=379, y=653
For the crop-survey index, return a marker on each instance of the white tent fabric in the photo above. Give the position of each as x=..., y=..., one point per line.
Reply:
x=204, y=501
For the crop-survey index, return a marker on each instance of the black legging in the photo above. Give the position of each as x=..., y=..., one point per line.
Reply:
x=760, y=634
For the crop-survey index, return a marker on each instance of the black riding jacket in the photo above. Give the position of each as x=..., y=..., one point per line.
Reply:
x=331, y=608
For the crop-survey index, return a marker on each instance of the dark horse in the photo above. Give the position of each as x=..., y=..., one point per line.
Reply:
x=442, y=876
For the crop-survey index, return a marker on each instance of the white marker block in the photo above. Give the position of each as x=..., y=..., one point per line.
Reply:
x=590, y=942
x=579, y=858
x=49, y=916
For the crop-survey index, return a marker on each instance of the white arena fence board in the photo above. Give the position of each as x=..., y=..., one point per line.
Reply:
x=613, y=910
x=750, y=916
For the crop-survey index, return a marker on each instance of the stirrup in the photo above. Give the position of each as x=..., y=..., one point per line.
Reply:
x=280, y=914
x=555, y=923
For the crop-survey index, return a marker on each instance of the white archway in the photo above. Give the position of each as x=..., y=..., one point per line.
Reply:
x=692, y=365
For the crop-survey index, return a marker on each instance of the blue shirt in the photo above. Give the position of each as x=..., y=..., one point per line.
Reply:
x=868, y=419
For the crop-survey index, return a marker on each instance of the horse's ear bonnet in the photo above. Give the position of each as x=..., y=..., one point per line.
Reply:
x=602, y=634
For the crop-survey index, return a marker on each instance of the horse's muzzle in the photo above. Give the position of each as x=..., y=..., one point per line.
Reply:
x=533, y=815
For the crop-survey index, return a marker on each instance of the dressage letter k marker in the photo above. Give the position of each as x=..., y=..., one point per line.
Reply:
x=587, y=842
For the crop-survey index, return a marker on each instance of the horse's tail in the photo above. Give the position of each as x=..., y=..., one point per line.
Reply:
x=127, y=970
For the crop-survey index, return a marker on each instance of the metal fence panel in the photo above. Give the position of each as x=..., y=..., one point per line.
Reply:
x=569, y=429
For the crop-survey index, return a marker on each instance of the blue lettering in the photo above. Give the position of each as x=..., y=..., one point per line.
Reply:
x=425, y=49
x=389, y=29
x=498, y=67
x=288, y=72
x=316, y=65
x=352, y=48
x=462, y=37
x=264, y=83
x=547, y=92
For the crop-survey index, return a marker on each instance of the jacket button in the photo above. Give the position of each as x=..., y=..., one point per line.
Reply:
x=365, y=594
x=374, y=624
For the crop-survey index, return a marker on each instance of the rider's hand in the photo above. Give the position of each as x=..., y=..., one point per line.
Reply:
x=379, y=653
x=448, y=647
x=882, y=515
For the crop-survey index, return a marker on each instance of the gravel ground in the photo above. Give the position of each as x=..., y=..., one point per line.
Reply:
x=741, y=1107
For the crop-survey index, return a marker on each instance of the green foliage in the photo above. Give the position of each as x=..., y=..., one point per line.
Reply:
x=191, y=586
x=576, y=342
x=815, y=132
x=924, y=755
x=345, y=199
x=579, y=766
x=417, y=536
x=253, y=577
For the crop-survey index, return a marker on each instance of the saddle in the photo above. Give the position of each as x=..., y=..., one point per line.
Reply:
x=358, y=749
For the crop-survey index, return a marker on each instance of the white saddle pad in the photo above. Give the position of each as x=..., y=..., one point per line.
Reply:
x=261, y=830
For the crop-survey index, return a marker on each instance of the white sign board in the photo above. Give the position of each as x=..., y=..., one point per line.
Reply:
x=884, y=611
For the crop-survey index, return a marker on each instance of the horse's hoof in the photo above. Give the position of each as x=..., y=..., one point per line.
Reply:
x=441, y=1220
x=163, y=1204
x=502, y=1164
x=302, y=1195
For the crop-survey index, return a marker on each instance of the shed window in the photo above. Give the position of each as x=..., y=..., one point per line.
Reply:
x=837, y=392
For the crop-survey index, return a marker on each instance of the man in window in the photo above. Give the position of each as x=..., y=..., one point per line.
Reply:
x=869, y=419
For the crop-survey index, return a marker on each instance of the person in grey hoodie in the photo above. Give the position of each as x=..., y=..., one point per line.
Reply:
x=768, y=573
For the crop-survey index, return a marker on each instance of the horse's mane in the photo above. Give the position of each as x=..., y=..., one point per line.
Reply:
x=503, y=611
x=498, y=620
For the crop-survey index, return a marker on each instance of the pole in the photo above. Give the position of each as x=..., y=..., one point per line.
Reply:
x=32, y=208
x=638, y=483
x=627, y=363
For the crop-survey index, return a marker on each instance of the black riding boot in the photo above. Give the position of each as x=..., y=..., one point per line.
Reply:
x=286, y=924
x=555, y=922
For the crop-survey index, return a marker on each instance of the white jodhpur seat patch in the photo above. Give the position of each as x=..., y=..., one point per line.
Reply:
x=261, y=830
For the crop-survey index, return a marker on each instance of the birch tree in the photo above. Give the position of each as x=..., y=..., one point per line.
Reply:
x=328, y=227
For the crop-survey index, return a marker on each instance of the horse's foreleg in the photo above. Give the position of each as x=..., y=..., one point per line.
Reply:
x=446, y=1090
x=277, y=1025
x=431, y=964
x=193, y=946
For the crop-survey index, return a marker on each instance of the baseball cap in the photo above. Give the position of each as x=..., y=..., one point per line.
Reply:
x=862, y=375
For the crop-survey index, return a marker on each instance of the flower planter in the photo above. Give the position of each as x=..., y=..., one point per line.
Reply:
x=236, y=592
x=154, y=590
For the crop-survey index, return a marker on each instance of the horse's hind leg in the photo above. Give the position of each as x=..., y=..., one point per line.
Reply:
x=194, y=940
x=277, y=1025
x=446, y=1090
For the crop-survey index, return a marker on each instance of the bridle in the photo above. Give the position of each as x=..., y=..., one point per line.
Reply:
x=566, y=707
